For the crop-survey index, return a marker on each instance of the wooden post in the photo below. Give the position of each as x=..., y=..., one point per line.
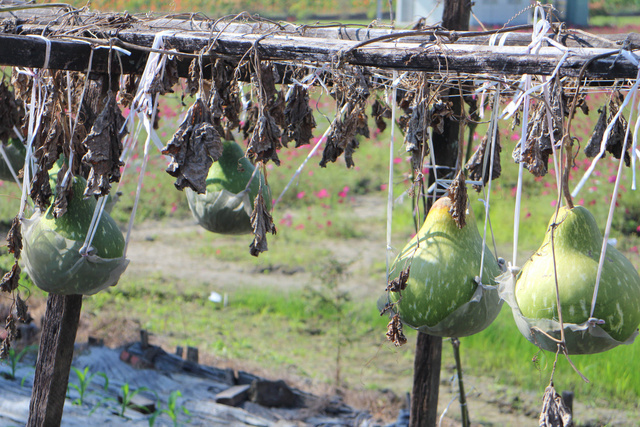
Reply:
x=428, y=359
x=54, y=360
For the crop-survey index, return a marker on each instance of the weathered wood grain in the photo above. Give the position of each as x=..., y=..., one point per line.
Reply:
x=54, y=360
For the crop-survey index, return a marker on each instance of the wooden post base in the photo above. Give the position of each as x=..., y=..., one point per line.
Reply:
x=54, y=360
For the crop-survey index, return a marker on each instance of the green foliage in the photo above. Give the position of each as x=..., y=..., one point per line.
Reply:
x=13, y=359
x=127, y=395
x=84, y=380
x=172, y=409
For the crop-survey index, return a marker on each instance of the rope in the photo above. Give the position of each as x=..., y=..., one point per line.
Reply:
x=47, y=52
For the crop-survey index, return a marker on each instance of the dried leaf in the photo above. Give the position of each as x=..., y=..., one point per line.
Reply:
x=262, y=224
x=554, y=412
x=14, y=237
x=615, y=142
x=10, y=280
x=476, y=163
x=22, y=310
x=41, y=189
x=593, y=146
x=394, y=331
x=163, y=82
x=193, y=80
x=265, y=139
x=63, y=194
x=458, y=196
x=343, y=137
x=399, y=284
x=416, y=135
x=299, y=117
x=11, y=112
x=10, y=327
x=438, y=113
x=104, y=147
x=379, y=112
x=4, y=349
x=194, y=147
x=127, y=90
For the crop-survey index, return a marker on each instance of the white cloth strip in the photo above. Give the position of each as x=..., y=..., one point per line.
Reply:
x=394, y=92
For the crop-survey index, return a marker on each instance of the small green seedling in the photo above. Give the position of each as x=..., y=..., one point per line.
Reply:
x=84, y=380
x=172, y=410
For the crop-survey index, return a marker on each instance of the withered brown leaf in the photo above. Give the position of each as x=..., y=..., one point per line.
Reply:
x=379, y=112
x=458, y=196
x=298, y=117
x=265, y=139
x=399, y=284
x=193, y=79
x=11, y=112
x=4, y=348
x=10, y=327
x=22, y=310
x=394, y=331
x=615, y=142
x=41, y=189
x=262, y=224
x=554, y=412
x=193, y=148
x=10, y=280
x=343, y=138
x=14, y=237
x=476, y=163
x=63, y=193
x=104, y=147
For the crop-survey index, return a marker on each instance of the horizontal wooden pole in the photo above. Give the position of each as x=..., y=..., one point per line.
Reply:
x=293, y=44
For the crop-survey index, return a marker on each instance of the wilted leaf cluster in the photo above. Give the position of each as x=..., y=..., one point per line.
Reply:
x=193, y=148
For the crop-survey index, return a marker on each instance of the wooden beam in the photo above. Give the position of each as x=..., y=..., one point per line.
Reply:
x=419, y=55
x=54, y=360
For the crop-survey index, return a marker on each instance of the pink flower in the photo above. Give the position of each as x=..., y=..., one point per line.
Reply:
x=554, y=203
x=300, y=195
x=634, y=249
x=515, y=137
x=581, y=202
x=612, y=179
x=383, y=187
x=329, y=223
x=322, y=194
x=300, y=227
x=174, y=207
x=638, y=229
x=527, y=215
x=344, y=192
x=397, y=160
x=287, y=220
x=514, y=190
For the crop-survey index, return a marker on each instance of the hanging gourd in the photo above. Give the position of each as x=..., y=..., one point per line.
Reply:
x=16, y=159
x=577, y=245
x=227, y=205
x=52, y=248
x=444, y=295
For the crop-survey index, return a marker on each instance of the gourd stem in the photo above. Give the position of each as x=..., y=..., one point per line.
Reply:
x=464, y=410
x=567, y=170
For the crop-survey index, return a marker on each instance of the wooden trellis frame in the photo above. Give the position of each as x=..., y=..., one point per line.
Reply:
x=72, y=35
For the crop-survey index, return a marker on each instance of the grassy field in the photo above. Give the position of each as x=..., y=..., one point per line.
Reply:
x=303, y=330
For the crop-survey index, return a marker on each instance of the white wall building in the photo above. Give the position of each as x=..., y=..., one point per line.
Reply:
x=491, y=12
